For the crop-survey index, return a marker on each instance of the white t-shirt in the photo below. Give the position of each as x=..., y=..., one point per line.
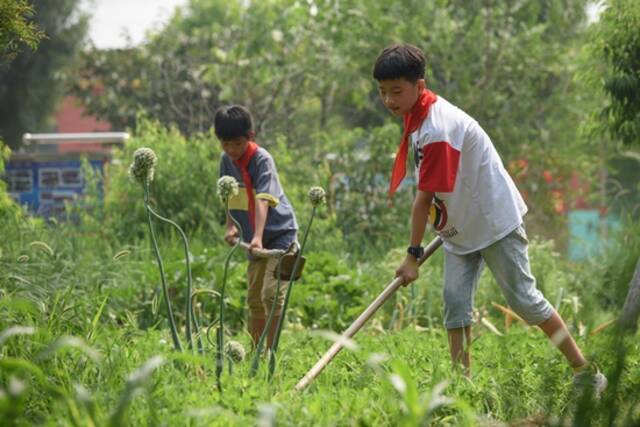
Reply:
x=476, y=202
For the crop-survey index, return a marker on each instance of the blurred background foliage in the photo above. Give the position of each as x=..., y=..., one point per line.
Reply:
x=304, y=70
x=535, y=74
x=555, y=93
x=531, y=72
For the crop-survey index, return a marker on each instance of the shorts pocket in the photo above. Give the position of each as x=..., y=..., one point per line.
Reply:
x=521, y=234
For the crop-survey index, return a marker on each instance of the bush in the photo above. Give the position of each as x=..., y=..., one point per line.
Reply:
x=183, y=188
x=9, y=210
x=607, y=276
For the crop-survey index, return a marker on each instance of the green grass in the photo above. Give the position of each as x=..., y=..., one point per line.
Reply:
x=516, y=376
x=397, y=376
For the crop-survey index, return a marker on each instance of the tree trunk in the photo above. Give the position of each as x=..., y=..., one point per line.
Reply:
x=631, y=309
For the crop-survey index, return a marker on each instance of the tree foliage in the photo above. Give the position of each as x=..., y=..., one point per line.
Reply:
x=16, y=29
x=618, y=44
x=9, y=210
x=310, y=63
x=31, y=86
x=304, y=69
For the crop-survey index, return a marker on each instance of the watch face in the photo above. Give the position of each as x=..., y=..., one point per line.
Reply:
x=415, y=251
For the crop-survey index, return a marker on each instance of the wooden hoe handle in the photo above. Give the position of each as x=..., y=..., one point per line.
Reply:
x=262, y=253
x=362, y=319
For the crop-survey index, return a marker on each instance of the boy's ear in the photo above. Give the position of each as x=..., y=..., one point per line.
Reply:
x=421, y=84
x=251, y=134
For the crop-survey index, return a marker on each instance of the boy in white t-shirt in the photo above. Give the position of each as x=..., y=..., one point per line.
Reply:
x=468, y=197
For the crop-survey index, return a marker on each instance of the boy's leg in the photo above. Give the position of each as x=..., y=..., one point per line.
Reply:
x=459, y=348
x=508, y=260
x=255, y=278
x=268, y=297
x=461, y=275
x=256, y=327
x=557, y=331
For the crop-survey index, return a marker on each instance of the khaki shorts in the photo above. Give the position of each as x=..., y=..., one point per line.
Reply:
x=263, y=287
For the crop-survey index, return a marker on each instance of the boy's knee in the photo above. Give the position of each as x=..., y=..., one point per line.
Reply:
x=257, y=313
x=255, y=278
x=450, y=296
x=533, y=311
x=458, y=308
x=269, y=298
x=270, y=294
x=256, y=307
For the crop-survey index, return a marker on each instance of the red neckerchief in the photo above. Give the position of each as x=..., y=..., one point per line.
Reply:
x=243, y=163
x=412, y=121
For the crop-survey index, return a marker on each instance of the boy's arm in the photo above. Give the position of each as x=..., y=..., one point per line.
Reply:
x=262, y=207
x=268, y=189
x=420, y=216
x=408, y=270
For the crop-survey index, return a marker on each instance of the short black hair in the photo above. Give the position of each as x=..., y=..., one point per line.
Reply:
x=232, y=121
x=400, y=61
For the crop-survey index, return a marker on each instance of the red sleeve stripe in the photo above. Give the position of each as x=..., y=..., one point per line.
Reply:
x=439, y=168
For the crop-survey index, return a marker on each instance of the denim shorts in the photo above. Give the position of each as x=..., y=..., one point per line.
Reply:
x=508, y=261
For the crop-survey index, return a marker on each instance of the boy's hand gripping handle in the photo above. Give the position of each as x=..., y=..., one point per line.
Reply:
x=261, y=253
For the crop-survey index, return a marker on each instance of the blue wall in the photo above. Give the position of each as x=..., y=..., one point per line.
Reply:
x=44, y=186
x=586, y=238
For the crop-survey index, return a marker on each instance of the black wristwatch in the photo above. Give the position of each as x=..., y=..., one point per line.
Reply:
x=415, y=251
